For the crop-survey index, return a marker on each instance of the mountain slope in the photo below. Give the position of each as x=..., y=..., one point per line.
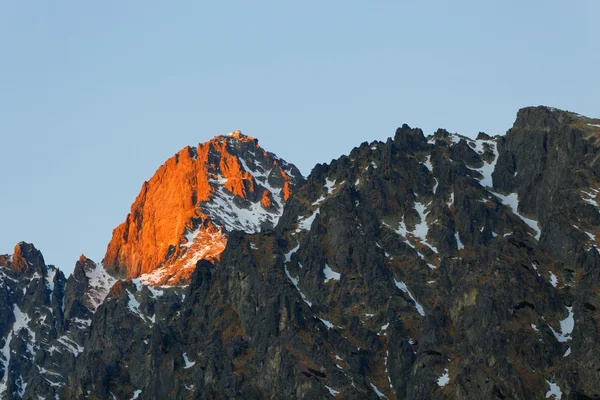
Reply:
x=183, y=213
x=438, y=267
x=45, y=319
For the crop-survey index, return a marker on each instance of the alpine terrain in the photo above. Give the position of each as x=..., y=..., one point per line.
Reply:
x=423, y=267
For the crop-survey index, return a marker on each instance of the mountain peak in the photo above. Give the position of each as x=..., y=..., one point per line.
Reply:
x=237, y=134
x=185, y=211
x=545, y=118
x=27, y=259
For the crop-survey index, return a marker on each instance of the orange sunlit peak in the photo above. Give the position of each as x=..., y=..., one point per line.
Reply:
x=237, y=134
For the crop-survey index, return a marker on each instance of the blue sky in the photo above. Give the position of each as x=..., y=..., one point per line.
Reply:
x=94, y=96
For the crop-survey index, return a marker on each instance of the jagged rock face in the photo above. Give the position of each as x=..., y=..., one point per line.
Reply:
x=183, y=213
x=419, y=268
x=402, y=271
x=44, y=321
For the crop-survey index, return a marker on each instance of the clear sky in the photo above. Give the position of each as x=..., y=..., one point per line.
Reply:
x=95, y=95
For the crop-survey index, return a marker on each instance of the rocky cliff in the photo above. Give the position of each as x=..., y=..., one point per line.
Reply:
x=44, y=321
x=439, y=267
x=183, y=213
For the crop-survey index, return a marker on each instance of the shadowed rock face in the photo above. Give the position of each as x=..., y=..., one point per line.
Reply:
x=192, y=201
x=44, y=320
x=437, y=267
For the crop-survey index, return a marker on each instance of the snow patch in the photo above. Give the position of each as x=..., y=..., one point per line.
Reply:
x=332, y=391
x=83, y=322
x=553, y=279
x=330, y=274
x=427, y=163
x=295, y=282
x=553, y=391
x=305, y=223
x=590, y=197
x=566, y=327
x=444, y=379
x=50, y=279
x=451, y=200
x=422, y=228
x=134, y=305
x=100, y=283
x=378, y=392
x=70, y=345
x=512, y=200
x=459, y=245
x=488, y=167
x=288, y=255
x=328, y=324
x=188, y=363
x=402, y=286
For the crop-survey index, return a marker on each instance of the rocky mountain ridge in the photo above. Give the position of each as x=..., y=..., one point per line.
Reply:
x=416, y=268
x=184, y=211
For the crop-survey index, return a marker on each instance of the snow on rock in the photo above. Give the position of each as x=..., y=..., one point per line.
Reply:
x=134, y=306
x=191, y=236
x=566, y=327
x=332, y=391
x=590, y=197
x=387, y=373
x=459, y=245
x=427, y=163
x=295, y=282
x=422, y=228
x=70, y=345
x=156, y=293
x=248, y=218
x=553, y=279
x=330, y=185
x=554, y=391
x=136, y=394
x=21, y=386
x=378, y=392
x=444, y=379
x=288, y=255
x=402, y=286
x=328, y=324
x=512, y=200
x=304, y=223
x=251, y=216
x=100, y=283
x=330, y=274
x=319, y=200
x=203, y=244
x=83, y=322
x=487, y=168
x=188, y=363
x=21, y=322
x=50, y=278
